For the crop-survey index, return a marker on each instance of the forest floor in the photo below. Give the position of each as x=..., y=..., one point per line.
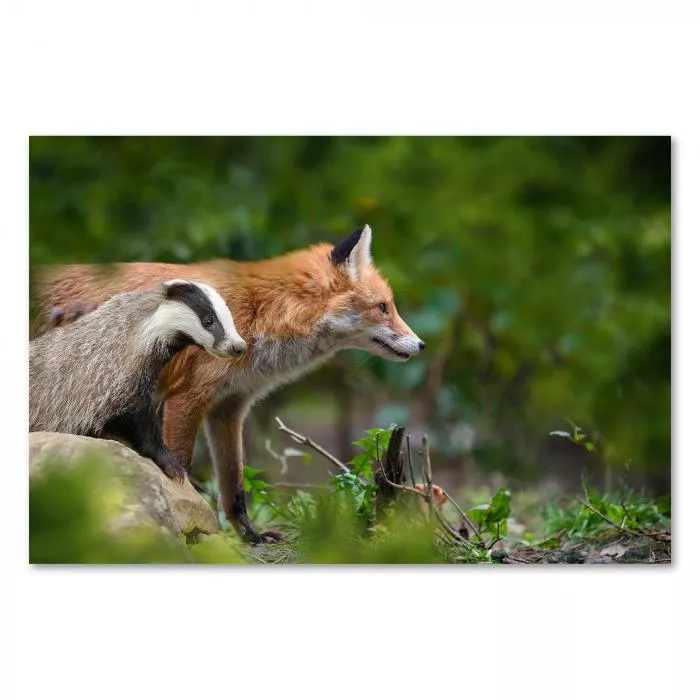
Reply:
x=603, y=548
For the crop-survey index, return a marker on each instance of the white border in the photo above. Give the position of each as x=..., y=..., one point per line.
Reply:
x=370, y=68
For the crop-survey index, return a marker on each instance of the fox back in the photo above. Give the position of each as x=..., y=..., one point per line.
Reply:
x=294, y=311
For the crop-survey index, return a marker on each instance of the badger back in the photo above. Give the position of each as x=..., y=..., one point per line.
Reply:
x=83, y=374
x=105, y=363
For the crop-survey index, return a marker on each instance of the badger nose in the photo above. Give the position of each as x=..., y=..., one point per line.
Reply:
x=238, y=348
x=421, y=345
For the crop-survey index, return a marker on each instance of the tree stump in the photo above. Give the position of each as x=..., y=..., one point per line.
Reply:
x=393, y=463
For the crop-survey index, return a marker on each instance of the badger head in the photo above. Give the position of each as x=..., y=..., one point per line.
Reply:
x=196, y=311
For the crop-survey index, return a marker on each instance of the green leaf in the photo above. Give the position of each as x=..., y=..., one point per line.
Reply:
x=500, y=505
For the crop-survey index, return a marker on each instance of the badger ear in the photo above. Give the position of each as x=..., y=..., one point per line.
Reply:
x=353, y=252
x=173, y=288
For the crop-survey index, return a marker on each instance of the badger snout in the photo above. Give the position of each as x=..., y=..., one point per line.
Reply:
x=237, y=347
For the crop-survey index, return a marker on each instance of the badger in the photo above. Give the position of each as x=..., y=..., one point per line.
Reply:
x=97, y=376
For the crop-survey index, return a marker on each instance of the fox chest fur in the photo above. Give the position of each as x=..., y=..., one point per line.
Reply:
x=273, y=362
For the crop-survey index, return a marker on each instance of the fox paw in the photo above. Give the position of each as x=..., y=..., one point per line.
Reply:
x=267, y=537
x=272, y=537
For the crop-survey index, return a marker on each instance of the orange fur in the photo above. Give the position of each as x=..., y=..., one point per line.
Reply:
x=276, y=299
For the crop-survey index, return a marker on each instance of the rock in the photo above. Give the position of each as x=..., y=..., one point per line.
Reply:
x=151, y=497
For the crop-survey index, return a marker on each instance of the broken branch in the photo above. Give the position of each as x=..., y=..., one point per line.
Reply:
x=303, y=440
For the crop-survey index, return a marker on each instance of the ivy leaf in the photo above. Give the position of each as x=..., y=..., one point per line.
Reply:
x=500, y=505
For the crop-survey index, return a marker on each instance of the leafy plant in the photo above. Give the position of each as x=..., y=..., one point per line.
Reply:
x=358, y=483
x=578, y=437
x=575, y=521
x=492, y=517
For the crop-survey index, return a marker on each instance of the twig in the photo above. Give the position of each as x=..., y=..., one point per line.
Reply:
x=427, y=496
x=426, y=471
x=281, y=458
x=593, y=509
x=584, y=485
x=303, y=440
x=410, y=460
x=470, y=523
x=300, y=485
x=401, y=487
x=262, y=561
x=660, y=536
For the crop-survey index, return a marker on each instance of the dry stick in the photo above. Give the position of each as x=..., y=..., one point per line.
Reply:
x=410, y=461
x=443, y=523
x=303, y=440
x=661, y=536
x=470, y=523
x=401, y=487
x=427, y=472
x=277, y=456
x=300, y=485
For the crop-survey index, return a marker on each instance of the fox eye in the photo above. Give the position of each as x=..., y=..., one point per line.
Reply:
x=208, y=322
x=383, y=308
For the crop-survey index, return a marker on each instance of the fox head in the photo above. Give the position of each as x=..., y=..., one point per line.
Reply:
x=362, y=307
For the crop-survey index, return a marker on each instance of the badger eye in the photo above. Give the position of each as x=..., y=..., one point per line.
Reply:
x=383, y=308
x=208, y=322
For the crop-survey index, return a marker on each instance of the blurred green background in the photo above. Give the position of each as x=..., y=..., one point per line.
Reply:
x=537, y=269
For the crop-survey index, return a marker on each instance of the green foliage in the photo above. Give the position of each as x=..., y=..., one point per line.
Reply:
x=259, y=490
x=73, y=506
x=216, y=549
x=70, y=512
x=373, y=447
x=358, y=483
x=492, y=518
x=578, y=437
x=336, y=535
x=574, y=521
x=360, y=491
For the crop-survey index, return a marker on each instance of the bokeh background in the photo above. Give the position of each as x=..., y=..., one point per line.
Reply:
x=537, y=269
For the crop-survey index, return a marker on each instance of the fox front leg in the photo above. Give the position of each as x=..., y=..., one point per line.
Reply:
x=224, y=431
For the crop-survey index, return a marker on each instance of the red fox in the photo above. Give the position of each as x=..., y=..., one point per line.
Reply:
x=294, y=311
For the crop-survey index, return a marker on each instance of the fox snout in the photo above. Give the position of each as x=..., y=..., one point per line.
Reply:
x=413, y=344
x=397, y=347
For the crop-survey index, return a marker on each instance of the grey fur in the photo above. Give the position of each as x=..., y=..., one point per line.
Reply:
x=83, y=375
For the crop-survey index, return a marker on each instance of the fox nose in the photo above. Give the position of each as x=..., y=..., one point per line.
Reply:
x=421, y=345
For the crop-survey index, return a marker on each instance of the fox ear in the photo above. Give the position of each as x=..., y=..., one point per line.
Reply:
x=354, y=252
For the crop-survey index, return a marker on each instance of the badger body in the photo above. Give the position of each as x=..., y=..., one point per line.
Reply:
x=96, y=376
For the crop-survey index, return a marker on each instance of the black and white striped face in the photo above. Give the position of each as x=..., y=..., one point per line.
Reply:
x=197, y=310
